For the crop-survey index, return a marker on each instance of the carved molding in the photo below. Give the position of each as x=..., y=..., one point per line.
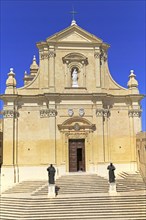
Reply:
x=103, y=56
x=77, y=127
x=135, y=113
x=102, y=113
x=77, y=123
x=45, y=113
x=47, y=55
x=76, y=135
x=44, y=56
x=97, y=54
x=51, y=54
x=10, y=114
x=99, y=112
x=75, y=57
x=106, y=113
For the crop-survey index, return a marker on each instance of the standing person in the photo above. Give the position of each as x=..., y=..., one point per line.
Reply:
x=51, y=174
x=111, y=169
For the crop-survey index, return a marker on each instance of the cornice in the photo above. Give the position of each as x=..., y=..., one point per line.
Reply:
x=72, y=96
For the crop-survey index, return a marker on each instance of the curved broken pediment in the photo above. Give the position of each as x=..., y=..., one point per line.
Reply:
x=72, y=57
x=76, y=124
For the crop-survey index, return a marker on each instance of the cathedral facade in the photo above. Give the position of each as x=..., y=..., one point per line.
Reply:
x=70, y=112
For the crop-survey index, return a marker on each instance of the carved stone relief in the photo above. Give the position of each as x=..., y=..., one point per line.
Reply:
x=45, y=113
x=134, y=113
x=102, y=112
x=10, y=114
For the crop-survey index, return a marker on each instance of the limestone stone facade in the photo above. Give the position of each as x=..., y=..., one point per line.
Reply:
x=141, y=153
x=49, y=120
x=1, y=141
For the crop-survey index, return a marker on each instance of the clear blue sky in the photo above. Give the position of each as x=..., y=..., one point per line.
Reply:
x=119, y=23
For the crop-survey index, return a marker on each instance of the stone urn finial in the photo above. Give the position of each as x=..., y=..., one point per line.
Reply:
x=11, y=82
x=33, y=67
x=132, y=83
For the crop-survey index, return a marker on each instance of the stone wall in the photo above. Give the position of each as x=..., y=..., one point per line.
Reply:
x=141, y=153
x=1, y=141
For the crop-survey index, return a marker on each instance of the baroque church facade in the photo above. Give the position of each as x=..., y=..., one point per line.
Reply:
x=70, y=112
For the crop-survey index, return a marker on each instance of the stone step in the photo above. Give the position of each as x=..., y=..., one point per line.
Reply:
x=74, y=184
x=77, y=199
x=123, y=207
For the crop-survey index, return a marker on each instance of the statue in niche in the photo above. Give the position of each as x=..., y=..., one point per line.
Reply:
x=75, y=78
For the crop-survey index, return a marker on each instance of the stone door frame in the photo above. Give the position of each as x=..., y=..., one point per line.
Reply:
x=75, y=164
x=76, y=135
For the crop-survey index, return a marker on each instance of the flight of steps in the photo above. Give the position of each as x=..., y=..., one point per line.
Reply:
x=80, y=196
x=78, y=184
x=130, y=182
x=98, y=207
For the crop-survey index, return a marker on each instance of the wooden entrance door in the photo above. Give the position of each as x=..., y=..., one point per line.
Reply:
x=76, y=155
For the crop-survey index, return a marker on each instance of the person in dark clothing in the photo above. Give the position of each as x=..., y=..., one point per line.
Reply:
x=111, y=169
x=51, y=174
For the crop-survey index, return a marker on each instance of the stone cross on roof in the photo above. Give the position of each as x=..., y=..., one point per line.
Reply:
x=73, y=12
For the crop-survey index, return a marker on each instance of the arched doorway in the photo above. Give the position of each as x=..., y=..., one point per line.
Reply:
x=76, y=132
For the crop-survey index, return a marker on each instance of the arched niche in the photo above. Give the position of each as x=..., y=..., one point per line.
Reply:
x=75, y=61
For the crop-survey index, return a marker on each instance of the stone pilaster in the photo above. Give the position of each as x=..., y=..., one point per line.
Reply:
x=103, y=64
x=97, y=67
x=135, y=127
x=106, y=116
x=67, y=75
x=52, y=55
x=135, y=114
x=10, y=140
x=44, y=66
x=99, y=156
x=102, y=123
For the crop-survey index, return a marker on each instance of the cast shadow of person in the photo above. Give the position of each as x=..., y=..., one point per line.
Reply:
x=57, y=188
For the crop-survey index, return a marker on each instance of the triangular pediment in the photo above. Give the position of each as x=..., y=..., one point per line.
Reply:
x=74, y=34
x=75, y=37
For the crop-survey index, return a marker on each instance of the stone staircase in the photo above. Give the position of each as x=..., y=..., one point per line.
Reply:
x=105, y=207
x=80, y=196
x=78, y=184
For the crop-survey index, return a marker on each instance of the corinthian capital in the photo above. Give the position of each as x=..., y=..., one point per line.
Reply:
x=51, y=54
x=99, y=112
x=10, y=114
x=97, y=55
x=103, y=55
x=135, y=113
x=45, y=113
x=44, y=56
x=103, y=112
